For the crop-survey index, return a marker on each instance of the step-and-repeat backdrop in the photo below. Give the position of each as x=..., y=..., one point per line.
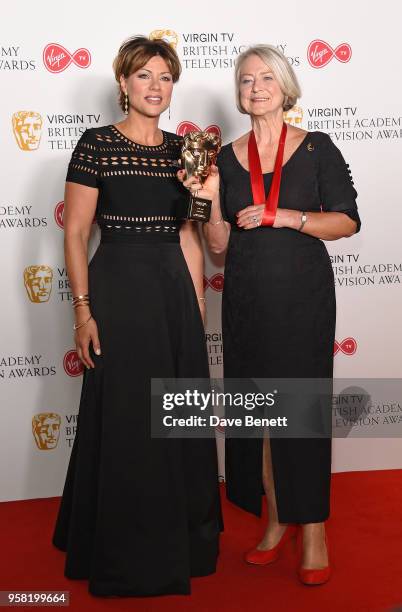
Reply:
x=57, y=80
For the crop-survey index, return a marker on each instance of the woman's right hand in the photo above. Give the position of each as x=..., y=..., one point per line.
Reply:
x=83, y=337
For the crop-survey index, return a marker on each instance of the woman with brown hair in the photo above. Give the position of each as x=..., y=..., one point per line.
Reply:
x=139, y=515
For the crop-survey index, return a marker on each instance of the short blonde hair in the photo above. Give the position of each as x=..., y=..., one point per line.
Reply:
x=280, y=67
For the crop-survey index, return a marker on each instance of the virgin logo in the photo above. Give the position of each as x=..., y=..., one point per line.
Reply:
x=73, y=366
x=348, y=346
x=56, y=58
x=215, y=282
x=58, y=214
x=188, y=126
x=320, y=53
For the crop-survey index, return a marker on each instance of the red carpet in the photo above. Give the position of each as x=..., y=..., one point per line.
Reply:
x=365, y=538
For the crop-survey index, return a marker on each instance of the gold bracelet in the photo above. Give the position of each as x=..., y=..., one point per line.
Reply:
x=80, y=297
x=80, y=300
x=75, y=326
x=217, y=222
x=201, y=299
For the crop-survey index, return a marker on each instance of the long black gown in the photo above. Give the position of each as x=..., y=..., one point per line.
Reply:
x=139, y=515
x=278, y=319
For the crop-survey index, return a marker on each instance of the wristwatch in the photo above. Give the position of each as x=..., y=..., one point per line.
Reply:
x=303, y=219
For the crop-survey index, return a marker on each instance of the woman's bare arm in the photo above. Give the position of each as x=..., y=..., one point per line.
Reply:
x=79, y=210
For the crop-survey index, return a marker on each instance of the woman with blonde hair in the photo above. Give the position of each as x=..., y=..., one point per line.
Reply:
x=282, y=192
x=139, y=515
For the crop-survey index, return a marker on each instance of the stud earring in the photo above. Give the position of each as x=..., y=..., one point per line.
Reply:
x=126, y=103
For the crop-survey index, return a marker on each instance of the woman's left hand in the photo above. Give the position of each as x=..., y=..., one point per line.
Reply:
x=251, y=217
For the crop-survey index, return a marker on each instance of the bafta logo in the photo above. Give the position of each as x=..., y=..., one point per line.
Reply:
x=168, y=36
x=46, y=430
x=27, y=127
x=294, y=116
x=38, y=283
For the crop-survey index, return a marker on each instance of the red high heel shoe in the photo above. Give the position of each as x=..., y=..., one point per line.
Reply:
x=263, y=557
x=315, y=576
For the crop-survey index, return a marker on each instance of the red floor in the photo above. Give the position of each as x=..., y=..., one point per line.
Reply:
x=365, y=538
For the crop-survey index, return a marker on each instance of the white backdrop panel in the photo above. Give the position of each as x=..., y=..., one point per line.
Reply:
x=357, y=102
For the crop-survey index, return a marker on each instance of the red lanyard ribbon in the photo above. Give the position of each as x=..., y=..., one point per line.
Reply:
x=257, y=179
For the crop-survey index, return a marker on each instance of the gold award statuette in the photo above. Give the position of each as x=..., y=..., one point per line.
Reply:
x=198, y=153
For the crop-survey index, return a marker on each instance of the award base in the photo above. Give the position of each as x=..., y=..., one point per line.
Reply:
x=197, y=209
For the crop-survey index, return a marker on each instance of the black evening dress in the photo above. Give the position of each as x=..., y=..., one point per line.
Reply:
x=278, y=319
x=139, y=515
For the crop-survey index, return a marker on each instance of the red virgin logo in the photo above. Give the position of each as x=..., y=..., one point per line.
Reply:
x=188, y=126
x=58, y=214
x=56, y=58
x=215, y=282
x=348, y=346
x=320, y=53
x=73, y=365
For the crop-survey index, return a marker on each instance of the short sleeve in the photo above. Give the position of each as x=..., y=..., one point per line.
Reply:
x=84, y=164
x=336, y=186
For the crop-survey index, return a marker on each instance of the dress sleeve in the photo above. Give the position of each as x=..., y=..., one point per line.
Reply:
x=84, y=164
x=336, y=188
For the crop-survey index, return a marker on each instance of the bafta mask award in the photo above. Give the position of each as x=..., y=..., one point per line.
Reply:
x=198, y=153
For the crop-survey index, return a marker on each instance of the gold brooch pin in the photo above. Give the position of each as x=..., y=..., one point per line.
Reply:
x=310, y=147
